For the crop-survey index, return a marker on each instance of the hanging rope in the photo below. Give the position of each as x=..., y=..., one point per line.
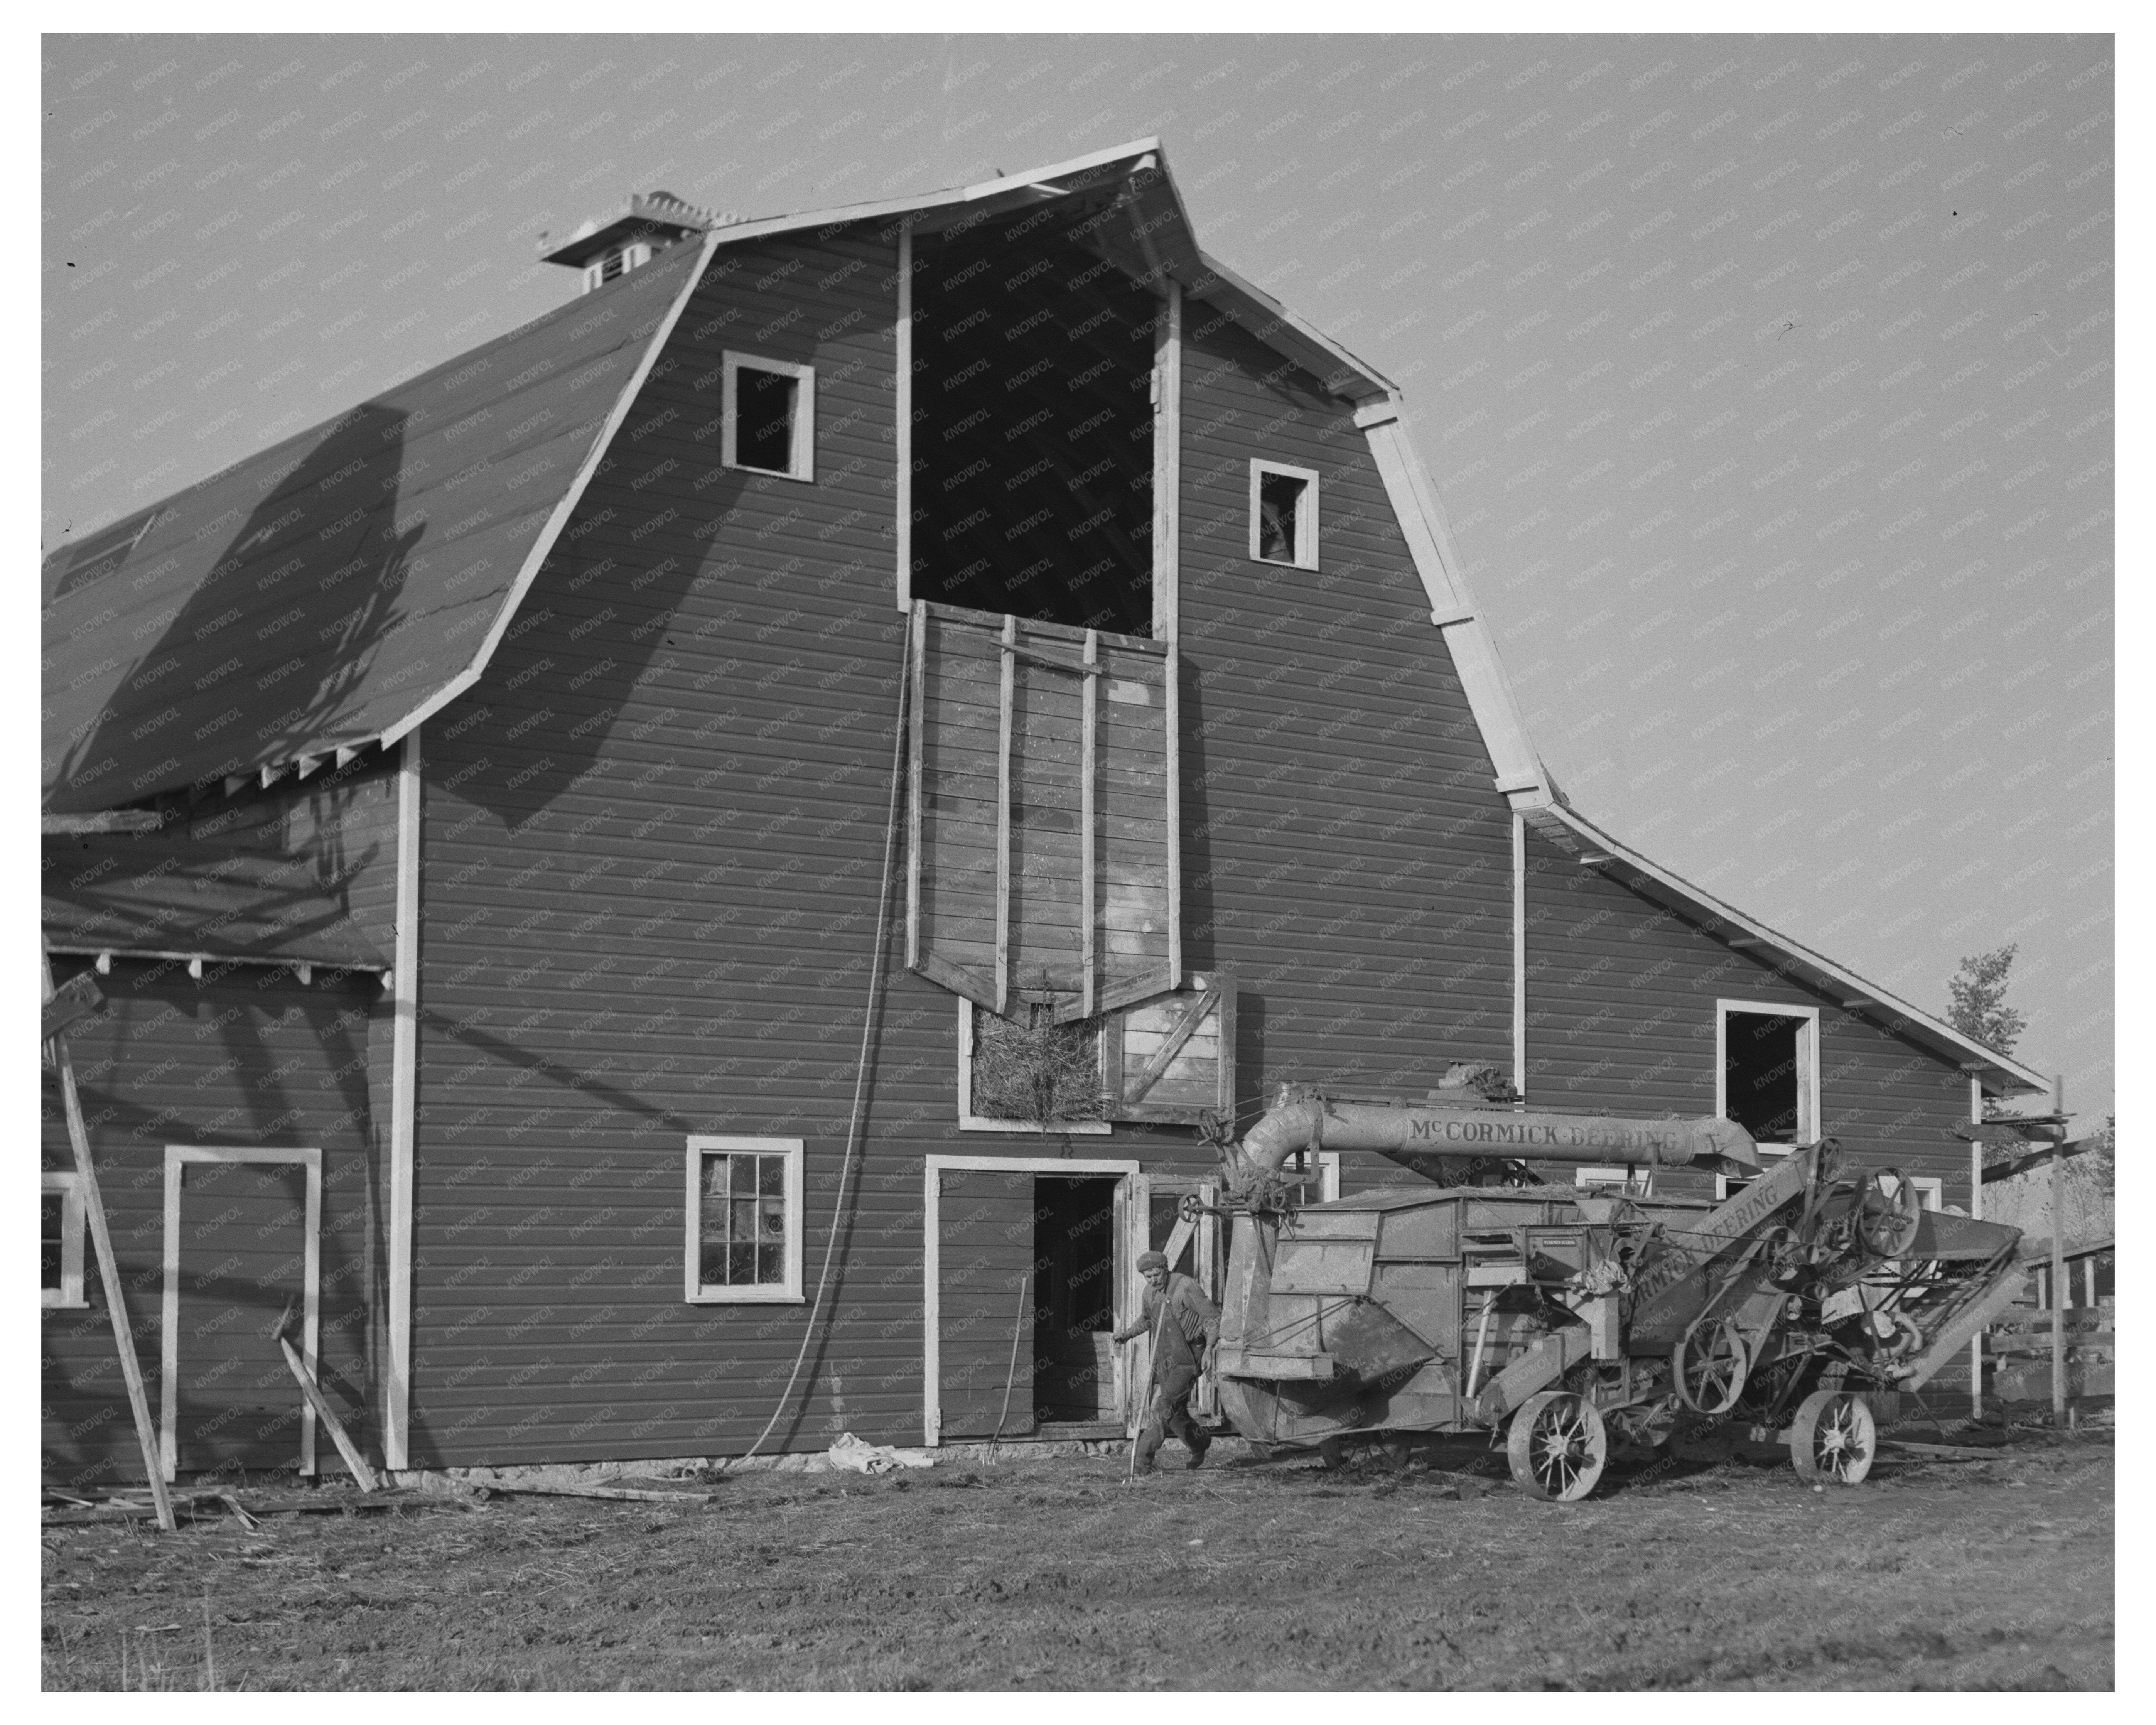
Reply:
x=868, y=1031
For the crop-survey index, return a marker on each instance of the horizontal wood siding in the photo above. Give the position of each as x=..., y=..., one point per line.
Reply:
x=652, y=842
x=985, y=1259
x=305, y=869
x=244, y=1057
x=1621, y=993
x=1345, y=849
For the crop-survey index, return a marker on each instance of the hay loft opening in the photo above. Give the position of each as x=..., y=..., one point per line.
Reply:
x=1033, y=429
x=1768, y=1070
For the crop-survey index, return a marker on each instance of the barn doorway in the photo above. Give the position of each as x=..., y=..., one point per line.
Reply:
x=242, y=1262
x=1074, y=1309
x=1028, y=1270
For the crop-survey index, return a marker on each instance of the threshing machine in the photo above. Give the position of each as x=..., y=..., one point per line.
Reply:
x=1564, y=1318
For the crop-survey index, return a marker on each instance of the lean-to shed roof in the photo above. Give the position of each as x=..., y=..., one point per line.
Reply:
x=331, y=589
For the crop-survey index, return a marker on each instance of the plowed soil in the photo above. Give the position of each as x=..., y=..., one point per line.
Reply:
x=1062, y=1574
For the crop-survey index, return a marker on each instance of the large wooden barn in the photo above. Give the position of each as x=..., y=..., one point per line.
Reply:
x=477, y=809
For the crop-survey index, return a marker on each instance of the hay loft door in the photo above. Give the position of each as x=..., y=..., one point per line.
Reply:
x=1042, y=838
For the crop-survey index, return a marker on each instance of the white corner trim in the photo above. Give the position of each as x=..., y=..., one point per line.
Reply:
x=403, y=1113
x=566, y=506
x=902, y=360
x=1519, y=772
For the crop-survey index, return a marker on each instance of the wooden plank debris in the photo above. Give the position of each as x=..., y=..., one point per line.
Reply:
x=323, y=1412
x=626, y=1494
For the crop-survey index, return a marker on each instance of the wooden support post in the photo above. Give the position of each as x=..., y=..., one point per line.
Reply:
x=323, y=1412
x=1976, y=1214
x=1088, y=746
x=917, y=668
x=2058, y=1264
x=1005, y=708
x=108, y=1271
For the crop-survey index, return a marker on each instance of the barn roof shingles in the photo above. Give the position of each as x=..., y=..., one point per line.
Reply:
x=327, y=590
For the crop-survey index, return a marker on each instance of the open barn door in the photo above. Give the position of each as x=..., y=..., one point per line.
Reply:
x=1041, y=841
x=1192, y=1247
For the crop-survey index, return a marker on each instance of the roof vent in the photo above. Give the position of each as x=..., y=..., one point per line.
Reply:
x=632, y=233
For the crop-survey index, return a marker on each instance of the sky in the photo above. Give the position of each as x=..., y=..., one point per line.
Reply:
x=1767, y=381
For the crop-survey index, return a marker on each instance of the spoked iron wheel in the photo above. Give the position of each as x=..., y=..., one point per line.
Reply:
x=1710, y=1366
x=1834, y=1438
x=1556, y=1446
x=1887, y=1214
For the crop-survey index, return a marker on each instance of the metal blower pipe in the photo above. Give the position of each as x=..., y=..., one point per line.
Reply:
x=1301, y=1122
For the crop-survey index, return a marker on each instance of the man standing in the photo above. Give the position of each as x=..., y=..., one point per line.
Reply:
x=1185, y=1327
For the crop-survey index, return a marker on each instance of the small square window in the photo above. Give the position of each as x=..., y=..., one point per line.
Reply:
x=744, y=1219
x=770, y=416
x=59, y=1242
x=1768, y=1075
x=1284, y=514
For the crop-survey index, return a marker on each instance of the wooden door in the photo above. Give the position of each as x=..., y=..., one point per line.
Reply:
x=1192, y=1249
x=984, y=1302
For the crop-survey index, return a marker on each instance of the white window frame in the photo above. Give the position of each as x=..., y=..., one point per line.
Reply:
x=68, y=1296
x=1808, y=1059
x=969, y=1121
x=1305, y=514
x=696, y=1291
x=801, y=463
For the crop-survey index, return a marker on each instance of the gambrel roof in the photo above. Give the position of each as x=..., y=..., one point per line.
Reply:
x=391, y=547
x=330, y=590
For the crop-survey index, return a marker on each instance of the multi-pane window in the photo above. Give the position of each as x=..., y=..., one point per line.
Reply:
x=59, y=1240
x=744, y=1199
x=1284, y=514
x=770, y=416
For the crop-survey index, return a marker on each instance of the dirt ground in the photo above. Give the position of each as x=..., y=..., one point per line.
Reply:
x=1060, y=1574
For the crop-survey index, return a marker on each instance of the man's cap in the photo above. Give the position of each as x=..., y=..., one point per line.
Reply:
x=1151, y=1260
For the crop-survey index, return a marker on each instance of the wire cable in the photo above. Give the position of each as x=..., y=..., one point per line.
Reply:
x=868, y=1031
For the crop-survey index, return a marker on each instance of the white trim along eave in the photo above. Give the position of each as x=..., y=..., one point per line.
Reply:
x=1795, y=960
x=1521, y=775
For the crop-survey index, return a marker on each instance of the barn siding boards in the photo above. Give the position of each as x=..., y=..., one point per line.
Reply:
x=242, y=1058
x=320, y=592
x=303, y=870
x=678, y=908
x=1621, y=1003
x=1345, y=850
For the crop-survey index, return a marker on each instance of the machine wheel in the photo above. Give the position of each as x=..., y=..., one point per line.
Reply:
x=1556, y=1446
x=1834, y=1438
x=1886, y=1221
x=1710, y=1366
